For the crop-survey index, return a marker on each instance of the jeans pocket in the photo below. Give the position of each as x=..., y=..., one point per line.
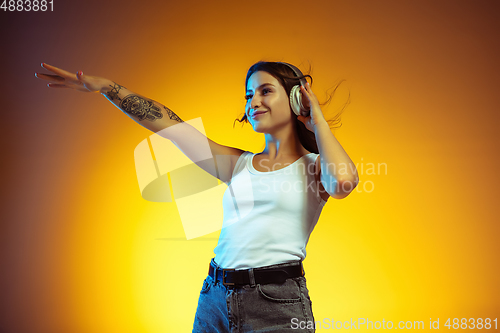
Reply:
x=207, y=283
x=287, y=292
x=303, y=286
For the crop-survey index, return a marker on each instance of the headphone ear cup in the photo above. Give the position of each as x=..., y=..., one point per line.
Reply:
x=296, y=100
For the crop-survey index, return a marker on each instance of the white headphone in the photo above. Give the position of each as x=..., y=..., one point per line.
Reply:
x=295, y=94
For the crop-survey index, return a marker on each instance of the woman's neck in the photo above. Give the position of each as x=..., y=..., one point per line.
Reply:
x=283, y=143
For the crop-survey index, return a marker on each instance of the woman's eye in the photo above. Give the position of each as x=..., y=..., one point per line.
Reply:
x=247, y=97
x=265, y=91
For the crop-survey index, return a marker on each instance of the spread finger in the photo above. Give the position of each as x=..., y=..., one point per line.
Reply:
x=57, y=85
x=58, y=71
x=49, y=77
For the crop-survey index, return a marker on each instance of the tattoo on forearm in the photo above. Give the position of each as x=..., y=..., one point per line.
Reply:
x=113, y=93
x=172, y=115
x=140, y=108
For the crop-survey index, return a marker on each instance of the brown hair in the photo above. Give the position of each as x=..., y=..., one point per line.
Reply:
x=288, y=79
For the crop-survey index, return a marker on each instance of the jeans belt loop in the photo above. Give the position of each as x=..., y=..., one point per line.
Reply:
x=252, y=277
x=215, y=275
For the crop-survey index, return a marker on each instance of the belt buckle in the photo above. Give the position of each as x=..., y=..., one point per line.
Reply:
x=224, y=277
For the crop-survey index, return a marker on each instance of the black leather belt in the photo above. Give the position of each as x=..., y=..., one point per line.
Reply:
x=253, y=276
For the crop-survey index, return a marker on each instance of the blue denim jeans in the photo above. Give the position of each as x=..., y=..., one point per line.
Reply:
x=269, y=307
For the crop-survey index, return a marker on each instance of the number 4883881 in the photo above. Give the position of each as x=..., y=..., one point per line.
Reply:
x=27, y=5
x=472, y=323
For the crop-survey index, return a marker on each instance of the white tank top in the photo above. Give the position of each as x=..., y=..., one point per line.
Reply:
x=268, y=216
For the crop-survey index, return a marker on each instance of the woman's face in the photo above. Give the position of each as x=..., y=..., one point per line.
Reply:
x=268, y=105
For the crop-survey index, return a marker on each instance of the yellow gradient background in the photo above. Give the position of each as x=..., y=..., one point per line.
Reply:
x=81, y=251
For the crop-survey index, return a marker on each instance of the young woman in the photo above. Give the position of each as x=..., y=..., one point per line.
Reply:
x=274, y=198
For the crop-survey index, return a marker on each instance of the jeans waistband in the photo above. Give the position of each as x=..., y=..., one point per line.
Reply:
x=277, y=273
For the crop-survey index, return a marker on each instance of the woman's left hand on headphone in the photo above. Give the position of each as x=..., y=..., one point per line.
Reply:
x=309, y=99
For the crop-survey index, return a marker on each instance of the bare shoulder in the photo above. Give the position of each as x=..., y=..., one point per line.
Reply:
x=225, y=159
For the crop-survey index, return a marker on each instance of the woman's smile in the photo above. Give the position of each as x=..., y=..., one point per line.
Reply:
x=257, y=114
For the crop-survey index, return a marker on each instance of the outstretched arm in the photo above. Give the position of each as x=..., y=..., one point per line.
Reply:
x=153, y=116
x=146, y=112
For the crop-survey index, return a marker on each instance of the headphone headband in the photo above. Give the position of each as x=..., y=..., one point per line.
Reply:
x=297, y=72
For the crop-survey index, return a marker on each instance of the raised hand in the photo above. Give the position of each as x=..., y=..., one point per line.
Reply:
x=310, y=100
x=78, y=81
